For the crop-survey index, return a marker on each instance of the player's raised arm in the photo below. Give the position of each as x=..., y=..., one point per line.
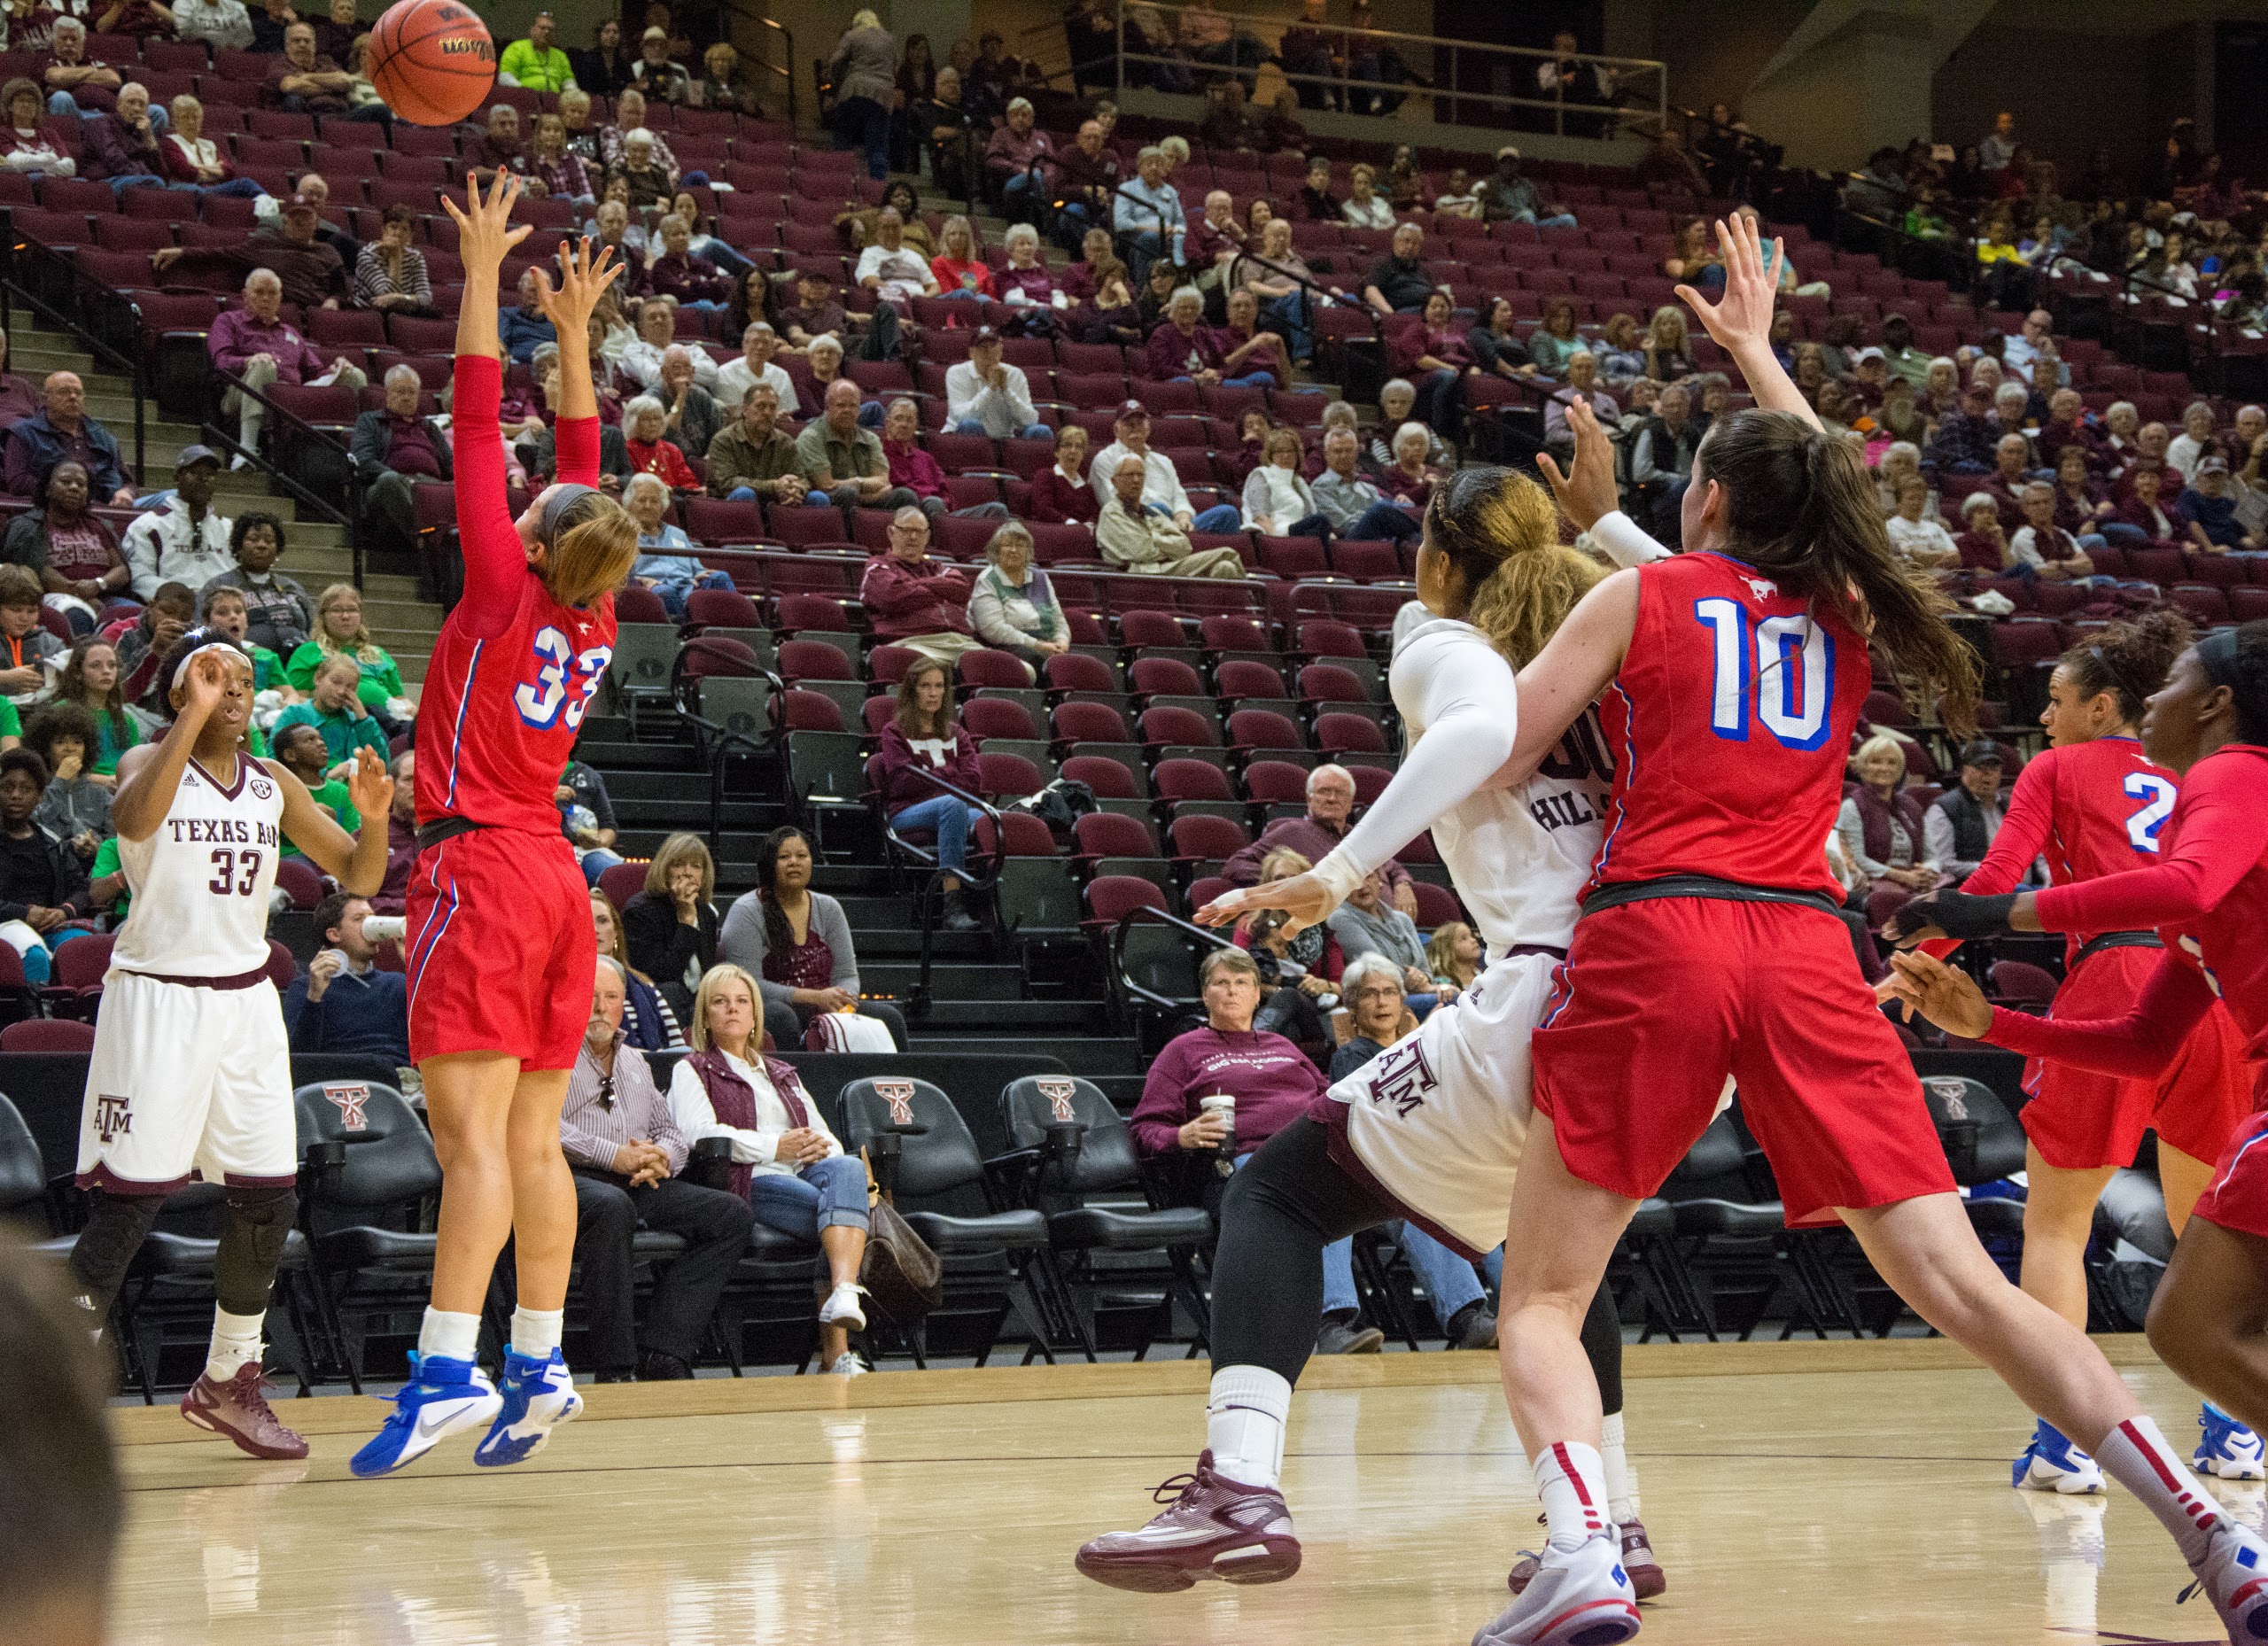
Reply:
x=148, y=775
x=486, y=236
x=357, y=861
x=1741, y=320
x=583, y=276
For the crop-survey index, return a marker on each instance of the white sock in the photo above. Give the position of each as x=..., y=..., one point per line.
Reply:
x=450, y=1336
x=1621, y=1478
x=2137, y=1457
x=535, y=1332
x=235, y=1343
x=1571, y=1482
x=1244, y=1424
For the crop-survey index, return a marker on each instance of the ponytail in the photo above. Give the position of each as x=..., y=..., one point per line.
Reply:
x=594, y=544
x=2129, y=660
x=1799, y=504
x=1501, y=531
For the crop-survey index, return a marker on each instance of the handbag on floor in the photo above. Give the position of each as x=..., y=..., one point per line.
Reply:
x=904, y=1278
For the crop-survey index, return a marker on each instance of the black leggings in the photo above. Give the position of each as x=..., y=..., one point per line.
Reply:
x=1289, y=1201
x=255, y=1224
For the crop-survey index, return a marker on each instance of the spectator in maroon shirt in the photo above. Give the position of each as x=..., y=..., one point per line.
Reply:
x=2064, y=428
x=673, y=270
x=2145, y=511
x=1273, y=1083
x=255, y=344
x=392, y=896
x=2082, y=506
x=924, y=740
x=121, y=148
x=1183, y=350
x=816, y=313
x=1017, y=161
x=498, y=147
x=1330, y=796
x=395, y=448
x=1248, y=354
x=312, y=273
x=74, y=85
x=137, y=18
x=1060, y=494
x=307, y=82
x=19, y=398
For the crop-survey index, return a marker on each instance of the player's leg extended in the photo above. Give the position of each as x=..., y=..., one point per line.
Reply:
x=1926, y=1249
x=2058, y=1220
x=2208, y=1321
x=1288, y=1202
x=117, y=1224
x=230, y=1398
x=537, y=1392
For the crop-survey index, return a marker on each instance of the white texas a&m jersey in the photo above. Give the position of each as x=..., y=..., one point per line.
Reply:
x=201, y=883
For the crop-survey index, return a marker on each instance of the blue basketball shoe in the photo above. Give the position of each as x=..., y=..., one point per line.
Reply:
x=2053, y=1463
x=2228, y=1450
x=446, y=1397
x=539, y=1396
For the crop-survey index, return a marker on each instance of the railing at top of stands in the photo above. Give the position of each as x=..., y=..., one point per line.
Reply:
x=765, y=19
x=1622, y=106
x=97, y=322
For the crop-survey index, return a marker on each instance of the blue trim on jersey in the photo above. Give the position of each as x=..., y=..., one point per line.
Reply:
x=432, y=944
x=1629, y=756
x=456, y=728
x=2237, y=1159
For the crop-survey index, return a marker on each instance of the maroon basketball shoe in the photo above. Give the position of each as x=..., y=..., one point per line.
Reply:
x=1212, y=1528
x=1638, y=1560
x=238, y=1408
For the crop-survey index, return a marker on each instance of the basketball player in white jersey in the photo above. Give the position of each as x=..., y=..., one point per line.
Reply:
x=191, y=1073
x=1431, y=1129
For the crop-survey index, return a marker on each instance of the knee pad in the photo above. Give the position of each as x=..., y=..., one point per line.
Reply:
x=117, y=1224
x=253, y=1229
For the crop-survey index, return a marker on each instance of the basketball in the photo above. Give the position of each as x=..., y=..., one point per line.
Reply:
x=432, y=61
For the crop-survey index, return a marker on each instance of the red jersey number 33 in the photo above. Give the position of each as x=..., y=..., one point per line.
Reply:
x=541, y=700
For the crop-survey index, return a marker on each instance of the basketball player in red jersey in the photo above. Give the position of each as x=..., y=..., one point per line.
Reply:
x=2208, y=897
x=1733, y=677
x=2093, y=805
x=499, y=945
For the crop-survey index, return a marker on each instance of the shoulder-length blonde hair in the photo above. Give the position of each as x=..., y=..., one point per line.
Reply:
x=361, y=647
x=1440, y=954
x=683, y=848
x=696, y=1032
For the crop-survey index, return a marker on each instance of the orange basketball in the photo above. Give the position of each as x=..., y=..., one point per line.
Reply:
x=431, y=60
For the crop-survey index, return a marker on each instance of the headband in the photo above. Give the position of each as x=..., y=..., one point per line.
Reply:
x=2216, y=654
x=180, y=673
x=562, y=500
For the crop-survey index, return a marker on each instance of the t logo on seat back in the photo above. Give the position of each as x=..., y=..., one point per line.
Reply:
x=352, y=1103
x=899, y=1095
x=1059, y=1092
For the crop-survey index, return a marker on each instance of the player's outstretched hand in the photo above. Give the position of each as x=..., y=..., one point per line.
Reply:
x=370, y=785
x=1587, y=492
x=1946, y=995
x=1304, y=898
x=582, y=276
x=1743, y=315
x=487, y=232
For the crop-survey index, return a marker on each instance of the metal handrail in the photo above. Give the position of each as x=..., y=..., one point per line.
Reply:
x=1154, y=917
x=216, y=435
x=918, y=1001
x=788, y=38
x=1612, y=108
x=86, y=289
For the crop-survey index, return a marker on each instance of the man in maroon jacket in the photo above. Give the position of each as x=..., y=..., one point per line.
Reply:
x=914, y=602
x=1331, y=797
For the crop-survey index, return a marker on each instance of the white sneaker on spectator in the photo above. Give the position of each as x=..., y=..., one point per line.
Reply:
x=849, y=1365
x=843, y=1308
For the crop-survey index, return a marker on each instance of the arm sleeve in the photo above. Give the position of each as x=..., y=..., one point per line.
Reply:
x=827, y=920
x=2223, y=832
x=495, y=561
x=2140, y=1043
x=1465, y=698
x=1624, y=541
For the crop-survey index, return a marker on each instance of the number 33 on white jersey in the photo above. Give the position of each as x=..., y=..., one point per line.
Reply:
x=201, y=883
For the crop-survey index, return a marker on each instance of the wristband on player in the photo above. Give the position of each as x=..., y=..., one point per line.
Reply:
x=1338, y=874
x=1956, y=914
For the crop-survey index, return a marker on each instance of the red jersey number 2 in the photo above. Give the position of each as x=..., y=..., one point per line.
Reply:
x=539, y=701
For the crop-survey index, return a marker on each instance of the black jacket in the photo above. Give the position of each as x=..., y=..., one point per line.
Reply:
x=663, y=947
x=370, y=442
x=57, y=881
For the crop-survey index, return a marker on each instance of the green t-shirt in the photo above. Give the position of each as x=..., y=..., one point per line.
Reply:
x=342, y=733
x=109, y=746
x=107, y=863
x=380, y=680
x=331, y=797
x=267, y=668
x=11, y=724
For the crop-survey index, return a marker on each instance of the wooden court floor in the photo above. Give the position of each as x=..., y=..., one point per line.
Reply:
x=1799, y=1493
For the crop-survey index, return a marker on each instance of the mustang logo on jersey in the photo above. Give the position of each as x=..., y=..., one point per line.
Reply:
x=1403, y=1077
x=113, y=1117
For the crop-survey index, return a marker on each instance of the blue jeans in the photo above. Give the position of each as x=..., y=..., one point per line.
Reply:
x=825, y=1194
x=1383, y=520
x=1290, y=315
x=1251, y=380
x=740, y=494
x=1035, y=431
x=673, y=593
x=596, y=862
x=951, y=818
x=863, y=123
x=2120, y=531
x=1220, y=517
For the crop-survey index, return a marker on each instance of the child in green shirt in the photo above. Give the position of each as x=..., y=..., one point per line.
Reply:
x=339, y=633
x=337, y=710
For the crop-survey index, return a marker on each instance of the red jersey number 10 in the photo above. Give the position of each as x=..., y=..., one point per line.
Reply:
x=539, y=701
x=1790, y=662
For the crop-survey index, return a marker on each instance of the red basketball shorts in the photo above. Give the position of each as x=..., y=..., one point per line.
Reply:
x=1659, y=1001
x=500, y=949
x=2081, y=1119
x=2238, y=1198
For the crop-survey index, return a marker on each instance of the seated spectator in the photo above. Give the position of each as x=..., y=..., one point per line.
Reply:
x=797, y=943
x=844, y=463
x=690, y=417
x=645, y=181
x=70, y=550
x=27, y=647
x=1580, y=387
x=1025, y=283
x=533, y=62
x=759, y=343
x=223, y=24
x=1456, y=955
x=2195, y=440
x=1111, y=315
x=1018, y=160
x=1669, y=357
x=1409, y=481
x=604, y=68
x=1269, y=1083
x=751, y=459
x=815, y=313
x=925, y=739
x=42, y=883
x=338, y=632
x=1964, y=444
x=336, y=34
x=172, y=607
x=1229, y=123
x=1147, y=210
x=1555, y=342
x=1249, y=355
x=985, y=396
x=498, y=147
x=395, y=449
x=343, y=1004
x=76, y=807
x=1495, y=347
x=1185, y=350
x=553, y=169
x=1960, y=826
x=222, y=608
x=270, y=18
x=626, y=1153
x=670, y=925
x=861, y=225
x=2143, y=512
x=667, y=561
x=2207, y=509
x=913, y=601
x=306, y=82
x=1061, y=493
x=891, y=269
x=648, y=1023
x=2042, y=549
x=1213, y=240
x=2082, y=506
x=279, y=614
x=1398, y=283
x=38, y=142
x=1355, y=507
x=1315, y=203
x=1144, y=538
x=1097, y=261
x=1881, y=831
x=124, y=148
x=1369, y=923
x=390, y=274
x=1331, y=797
x=335, y=710
x=630, y=119
x=787, y=1165
x=1364, y=207
x=643, y=420
x=1278, y=500
x=524, y=328
x=1507, y=196
x=1298, y=971
x=660, y=78
x=87, y=677
x=1089, y=183
x=1695, y=259
x=1916, y=533
x=1437, y=355
x=1661, y=458
x=674, y=270
x=725, y=84
x=254, y=345
x=2037, y=333
x=74, y=85
x=62, y=429
x=1012, y=607
x=641, y=360
x=1162, y=488
x=914, y=469
x=1983, y=542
